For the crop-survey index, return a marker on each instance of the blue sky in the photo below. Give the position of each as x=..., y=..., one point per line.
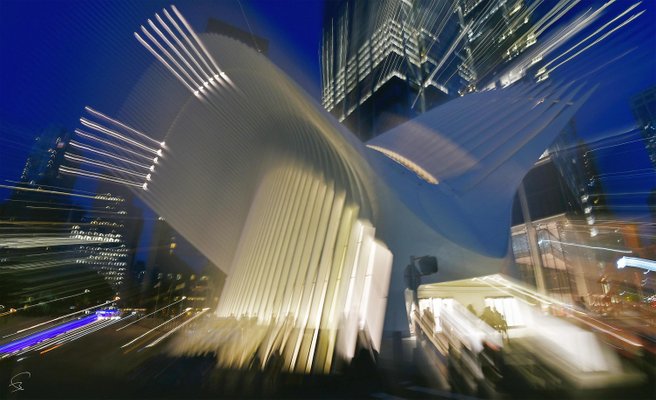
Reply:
x=58, y=56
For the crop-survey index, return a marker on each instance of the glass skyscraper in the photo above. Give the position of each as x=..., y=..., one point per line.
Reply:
x=385, y=62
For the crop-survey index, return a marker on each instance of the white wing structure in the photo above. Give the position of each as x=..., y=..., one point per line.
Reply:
x=312, y=227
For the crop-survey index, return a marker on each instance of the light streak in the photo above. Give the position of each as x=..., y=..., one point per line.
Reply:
x=57, y=319
x=85, y=160
x=148, y=315
x=122, y=125
x=106, y=154
x=172, y=47
x=439, y=65
x=609, y=332
x=89, y=174
x=199, y=85
x=36, y=338
x=115, y=134
x=50, y=349
x=197, y=39
x=586, y=246
x=172, y=331
x=182, y=46
x=594, y=33
x=155, y=328
x=184, y=35
x=111, y=144
x=85, y=291
x=163, y=61
x=169, y=56
x=48, y=191
x=598, y=40
x=29, y=242
x=635, y=262
x=74, y=335
x=407, y=163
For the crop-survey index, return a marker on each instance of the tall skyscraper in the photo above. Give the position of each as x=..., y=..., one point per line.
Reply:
x=384, y=62
x=104, y=227
x=41, y=263
x=46, y=156
x=41, y=172
x=643, y=105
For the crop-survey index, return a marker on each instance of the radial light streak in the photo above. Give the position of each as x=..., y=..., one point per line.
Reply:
x=172, y=331
x=166, y=64
x=592, y=34
x=181, y=45
x=36, y=338
x=155, y=328
x=85, y=160
x=46, y=302
x=174, y=48
x=72, y=335
x=171, y=58
x=56, y=192
x=57, y=319
x=648, y=265
x=587, y=247
x=138, y=149
x=116, y=135
x=598, y=40
x=105, y=154
x=200, y=43
x=122, y=125
x=84, y=134
x=147, y=315
x=191, y=45
x=95, y=175
x=444, y=58
x=175, y=64
x=29, y=242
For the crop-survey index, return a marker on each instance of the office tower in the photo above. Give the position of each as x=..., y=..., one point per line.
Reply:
x=643, y=105
x=41, y=172
x=46, y=156
x=385, y=62
x=103, y=229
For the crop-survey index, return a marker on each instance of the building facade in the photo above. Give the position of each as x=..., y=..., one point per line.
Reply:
x=385, y=62
x=643, y=105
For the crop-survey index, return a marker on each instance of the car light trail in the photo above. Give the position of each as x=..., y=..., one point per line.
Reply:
x=46, y=302
x=147, y=315
x=155, y=328
x=36, y=338
x=57, y=319
x=73, y=335
x=635, y=262
x=172, y=331
x=586, y=246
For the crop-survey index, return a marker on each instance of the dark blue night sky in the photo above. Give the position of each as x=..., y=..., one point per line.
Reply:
x=58, y=56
